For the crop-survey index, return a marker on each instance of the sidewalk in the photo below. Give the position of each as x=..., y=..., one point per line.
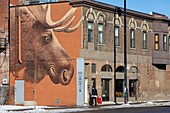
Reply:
x=105, y=105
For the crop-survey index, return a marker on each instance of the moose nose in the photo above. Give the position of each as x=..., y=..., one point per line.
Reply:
x=61, y=74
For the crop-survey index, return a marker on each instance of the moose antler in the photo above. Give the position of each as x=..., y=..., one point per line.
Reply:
x=45, y=18
x=60, y=29
x=66, y=27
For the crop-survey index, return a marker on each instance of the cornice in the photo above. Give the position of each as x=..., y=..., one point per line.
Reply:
x=110, y=8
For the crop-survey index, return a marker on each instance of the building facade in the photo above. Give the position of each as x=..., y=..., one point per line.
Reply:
x=147, y=52
x=87, y=30
x=4, y=52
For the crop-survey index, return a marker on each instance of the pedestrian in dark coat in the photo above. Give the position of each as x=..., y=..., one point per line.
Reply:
x=94, y=96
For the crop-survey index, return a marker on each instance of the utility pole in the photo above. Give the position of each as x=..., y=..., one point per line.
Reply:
x=116, y=11
x=125, y=58
x=114, y=58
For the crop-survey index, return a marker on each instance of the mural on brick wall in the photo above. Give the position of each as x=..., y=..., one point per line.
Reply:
x=36, y=48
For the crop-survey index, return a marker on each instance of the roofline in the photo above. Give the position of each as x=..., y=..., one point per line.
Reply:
x=110, y=8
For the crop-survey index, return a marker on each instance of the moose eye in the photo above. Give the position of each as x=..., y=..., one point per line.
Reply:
x=47, y=39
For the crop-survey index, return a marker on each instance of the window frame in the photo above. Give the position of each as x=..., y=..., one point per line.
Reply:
x=106, y=68
x=100, y=34
x=132, y=39
x=116, y=38
x=90, y=30
x=165, y=42
x=144, y=40
x=93, y=68
x=156, y=42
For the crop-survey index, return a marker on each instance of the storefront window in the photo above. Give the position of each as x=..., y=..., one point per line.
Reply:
x=132, y=87
x=119, y=87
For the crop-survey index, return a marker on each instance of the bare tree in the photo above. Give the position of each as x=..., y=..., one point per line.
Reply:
x=137, y=89
x=148, y=72
x=137, y=82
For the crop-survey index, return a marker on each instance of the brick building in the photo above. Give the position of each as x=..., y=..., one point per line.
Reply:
x=147, y=52
x=4, y=51
x=93, y=42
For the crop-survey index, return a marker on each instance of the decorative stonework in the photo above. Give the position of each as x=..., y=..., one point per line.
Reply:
x=118, y=20
x=145, y=26
x=132, y=24
x=91, y=15
x=101, y=17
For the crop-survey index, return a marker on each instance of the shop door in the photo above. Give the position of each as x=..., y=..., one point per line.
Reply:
x=105, y=89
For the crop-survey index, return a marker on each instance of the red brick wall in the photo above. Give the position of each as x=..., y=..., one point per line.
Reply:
x=46, y=91
x=4, y=16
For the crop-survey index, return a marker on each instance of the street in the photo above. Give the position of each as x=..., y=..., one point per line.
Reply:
x=133, y=110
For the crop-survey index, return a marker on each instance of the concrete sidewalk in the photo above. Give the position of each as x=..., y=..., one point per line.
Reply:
x=105, y=105
x=112, y=105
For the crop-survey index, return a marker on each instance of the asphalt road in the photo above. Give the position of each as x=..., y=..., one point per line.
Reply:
x=133, y=110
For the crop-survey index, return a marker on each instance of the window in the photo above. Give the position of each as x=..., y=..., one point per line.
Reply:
x=134, y=69
x=34, y=2
x=144, y=42
x=132, y=87
x=93, y=68
x=164, y=42
x=117, y=36
x=100, y=33
x=132, y=38
x=90, y=32
x=119, y=87
x=120, y=69
x=106, y=68
x=156, y=42
x=45, y=1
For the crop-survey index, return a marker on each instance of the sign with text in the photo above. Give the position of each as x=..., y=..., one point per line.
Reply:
x=80, y=82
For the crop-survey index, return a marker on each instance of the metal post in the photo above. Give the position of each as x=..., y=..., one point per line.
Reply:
x=114, y=59
x=8, y=21
x=125, y=58
x=35, y=80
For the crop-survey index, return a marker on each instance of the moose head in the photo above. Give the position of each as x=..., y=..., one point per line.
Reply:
x=39, y=51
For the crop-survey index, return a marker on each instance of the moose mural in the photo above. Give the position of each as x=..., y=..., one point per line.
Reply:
x=35, y=49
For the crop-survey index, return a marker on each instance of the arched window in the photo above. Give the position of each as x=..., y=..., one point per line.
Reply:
x=101, y=22
x=120, y=69
x=145, y=28
x=117, y=24
x=106, y=68
x=132, y=27
x=144, y=40
x=90, y=31
x=134, y=69
x=90, y=17
x=132, y=38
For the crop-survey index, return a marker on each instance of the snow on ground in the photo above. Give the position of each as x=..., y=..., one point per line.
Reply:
x=43, y=109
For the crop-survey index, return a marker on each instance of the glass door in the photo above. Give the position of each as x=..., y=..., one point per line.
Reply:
x=105, y=89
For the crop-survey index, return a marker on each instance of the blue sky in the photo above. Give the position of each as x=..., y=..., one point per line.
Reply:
x=145, y=6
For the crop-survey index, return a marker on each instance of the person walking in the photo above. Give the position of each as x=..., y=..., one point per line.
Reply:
x=94, y=96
